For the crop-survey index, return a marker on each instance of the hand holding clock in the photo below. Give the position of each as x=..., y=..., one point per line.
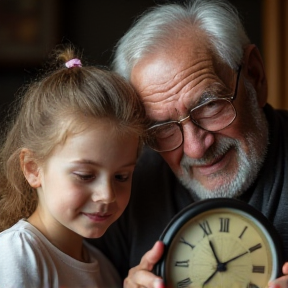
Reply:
x=225, y=223
x=281, y=282
x=142, y=275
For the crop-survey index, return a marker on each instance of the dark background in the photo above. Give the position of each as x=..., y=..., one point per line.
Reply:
x=92, y=25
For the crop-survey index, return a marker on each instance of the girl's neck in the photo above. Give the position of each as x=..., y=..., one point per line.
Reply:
x=60, y=236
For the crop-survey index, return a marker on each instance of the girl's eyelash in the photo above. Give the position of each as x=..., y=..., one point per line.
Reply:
x=122, y=178
x=84, y=177
x=89, y=177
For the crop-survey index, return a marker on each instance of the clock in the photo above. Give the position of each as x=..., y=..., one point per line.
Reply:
x=220, y=243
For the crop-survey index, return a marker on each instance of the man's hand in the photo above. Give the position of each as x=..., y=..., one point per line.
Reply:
x=141, y=275
x=281, y=282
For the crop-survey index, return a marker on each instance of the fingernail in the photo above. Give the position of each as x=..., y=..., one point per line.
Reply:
x=158, y=283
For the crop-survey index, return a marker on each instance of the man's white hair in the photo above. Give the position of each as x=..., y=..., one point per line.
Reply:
x=217, y=19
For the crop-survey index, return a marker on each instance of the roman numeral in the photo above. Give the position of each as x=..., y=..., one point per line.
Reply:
x=182, y=263
x=224, y=224
x=253, y=248
x=258, y=269
x=182, y=240
x=242, y=233
x=184, y=283
x=206, y=228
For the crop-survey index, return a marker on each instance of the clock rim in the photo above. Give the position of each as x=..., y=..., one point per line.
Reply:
x=201, y=206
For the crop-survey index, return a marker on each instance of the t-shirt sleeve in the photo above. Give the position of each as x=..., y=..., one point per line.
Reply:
x=19, y=263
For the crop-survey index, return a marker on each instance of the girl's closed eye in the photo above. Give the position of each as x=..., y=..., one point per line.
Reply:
x=123, y=177
x=84, y=176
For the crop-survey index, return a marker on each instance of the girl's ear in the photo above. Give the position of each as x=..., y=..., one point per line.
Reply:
x=30, y=168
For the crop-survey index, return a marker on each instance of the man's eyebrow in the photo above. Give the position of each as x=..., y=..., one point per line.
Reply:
x=214, y=91
x=157, y=122
x=206, y=95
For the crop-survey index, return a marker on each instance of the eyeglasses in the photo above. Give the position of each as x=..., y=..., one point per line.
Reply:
x=212, y=115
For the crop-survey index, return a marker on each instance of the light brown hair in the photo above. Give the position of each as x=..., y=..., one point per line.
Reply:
x=52, y=107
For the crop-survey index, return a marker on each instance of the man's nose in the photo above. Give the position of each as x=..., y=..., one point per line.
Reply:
x=196, y=140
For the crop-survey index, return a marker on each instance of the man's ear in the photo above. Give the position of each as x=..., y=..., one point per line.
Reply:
x=254, y=72
x=30, y=168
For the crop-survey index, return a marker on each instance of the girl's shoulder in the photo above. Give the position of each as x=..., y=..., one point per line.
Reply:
x=20, y=240
x=21, y=232
x=23, y=239
x=20, y=255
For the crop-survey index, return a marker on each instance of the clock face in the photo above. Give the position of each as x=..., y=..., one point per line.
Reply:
x=219, y=243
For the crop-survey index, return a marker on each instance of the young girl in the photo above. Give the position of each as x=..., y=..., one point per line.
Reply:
x=66, y=171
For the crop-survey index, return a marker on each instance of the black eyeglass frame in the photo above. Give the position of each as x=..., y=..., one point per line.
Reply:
x=179, y=122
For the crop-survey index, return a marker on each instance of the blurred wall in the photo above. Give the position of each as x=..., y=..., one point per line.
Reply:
x=29, y=29
x=275, y=50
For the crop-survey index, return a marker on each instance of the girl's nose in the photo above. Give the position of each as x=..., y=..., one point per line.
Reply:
x=104, y=193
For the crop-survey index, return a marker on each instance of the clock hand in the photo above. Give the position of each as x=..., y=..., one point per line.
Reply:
x=214, y=252
x=234, y=258
x=221, y=267
x=251, y=249
x=209, y=278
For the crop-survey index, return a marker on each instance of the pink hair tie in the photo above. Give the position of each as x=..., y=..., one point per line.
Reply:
x=73, y=63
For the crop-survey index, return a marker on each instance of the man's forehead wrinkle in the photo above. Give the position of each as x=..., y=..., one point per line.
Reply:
x=165, y=91
x=190, y=74
x=159, y=115
x=150, y=101
x=180, y=81
x=152, y=88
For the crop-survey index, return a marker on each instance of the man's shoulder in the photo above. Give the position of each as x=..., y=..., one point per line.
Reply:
x=152, y=167
x=154, y=178
x=282, y=113
x=276, y=117
x=150, y=157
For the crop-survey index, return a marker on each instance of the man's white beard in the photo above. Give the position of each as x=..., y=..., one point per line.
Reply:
x=234, y=184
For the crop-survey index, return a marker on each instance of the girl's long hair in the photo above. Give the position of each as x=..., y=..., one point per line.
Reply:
x=52, y=107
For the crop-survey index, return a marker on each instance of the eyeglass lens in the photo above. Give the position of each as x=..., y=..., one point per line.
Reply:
x=165, y=137
x=212, y=116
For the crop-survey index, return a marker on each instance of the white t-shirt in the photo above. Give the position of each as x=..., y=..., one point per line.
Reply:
x=28, y=259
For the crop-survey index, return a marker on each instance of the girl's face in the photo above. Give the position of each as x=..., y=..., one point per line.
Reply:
x=85, y=184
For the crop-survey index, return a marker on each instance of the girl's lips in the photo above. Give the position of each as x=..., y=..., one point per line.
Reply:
x=97, y=217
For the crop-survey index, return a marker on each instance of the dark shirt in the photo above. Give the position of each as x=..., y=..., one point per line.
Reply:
x=157, y=196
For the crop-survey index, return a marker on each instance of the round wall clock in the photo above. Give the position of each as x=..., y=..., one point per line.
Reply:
x=220, y=243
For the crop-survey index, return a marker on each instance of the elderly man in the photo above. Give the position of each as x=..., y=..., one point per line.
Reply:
x=204, y=88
